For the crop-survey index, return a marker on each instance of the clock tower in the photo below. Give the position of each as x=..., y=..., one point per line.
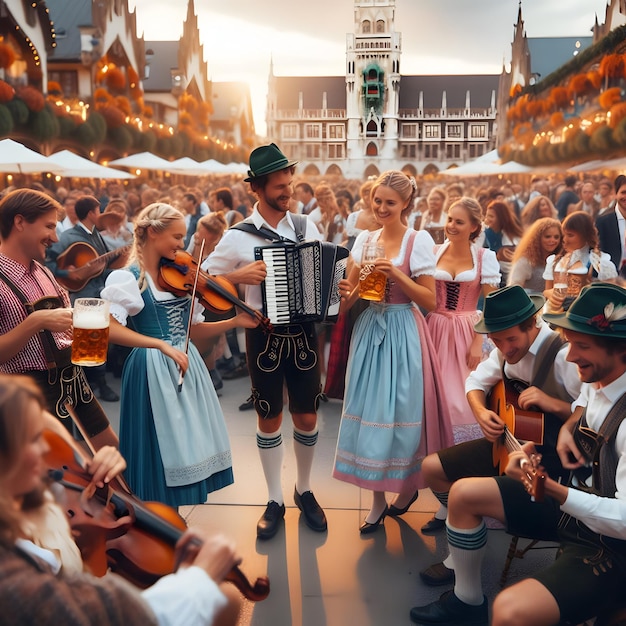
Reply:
x=373, y=81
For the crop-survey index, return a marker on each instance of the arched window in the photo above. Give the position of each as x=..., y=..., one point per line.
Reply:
x=372, y=129
x=311, y=170
x=334, y=170
x=372, y=148
x=432, y=169
x=371, y=171
x=366, y=26
x=380, y=26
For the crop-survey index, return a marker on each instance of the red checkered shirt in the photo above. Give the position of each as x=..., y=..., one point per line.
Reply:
x=35, y=283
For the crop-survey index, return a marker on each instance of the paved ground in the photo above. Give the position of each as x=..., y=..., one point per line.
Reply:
x=338, y=578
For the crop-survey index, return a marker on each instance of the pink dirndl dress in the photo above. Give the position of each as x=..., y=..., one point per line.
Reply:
x=451, y=327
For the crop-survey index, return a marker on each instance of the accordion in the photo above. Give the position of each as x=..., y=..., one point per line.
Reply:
x=302, y=282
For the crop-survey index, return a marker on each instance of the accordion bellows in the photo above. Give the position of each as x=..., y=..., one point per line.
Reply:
x=302, y=283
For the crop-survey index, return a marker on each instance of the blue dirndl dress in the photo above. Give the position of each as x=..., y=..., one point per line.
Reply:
x=393, y=414
x=175, y=443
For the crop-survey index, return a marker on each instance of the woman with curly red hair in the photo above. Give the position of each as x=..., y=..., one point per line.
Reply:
x=538, y=207
x=542, y=239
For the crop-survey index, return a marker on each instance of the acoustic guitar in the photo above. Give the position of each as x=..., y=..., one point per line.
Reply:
x=520, y=424
x=84, y=257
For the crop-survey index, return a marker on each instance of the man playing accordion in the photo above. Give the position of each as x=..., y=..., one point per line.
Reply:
x=287, y=355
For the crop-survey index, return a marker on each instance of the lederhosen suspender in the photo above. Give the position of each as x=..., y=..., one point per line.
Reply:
x=299, y=223
x=598, y=448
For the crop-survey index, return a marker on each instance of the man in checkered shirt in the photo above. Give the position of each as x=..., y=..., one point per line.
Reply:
x=35, y=318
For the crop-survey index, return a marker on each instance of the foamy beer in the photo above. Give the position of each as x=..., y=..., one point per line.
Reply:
x=372, y=283
x=91, y=332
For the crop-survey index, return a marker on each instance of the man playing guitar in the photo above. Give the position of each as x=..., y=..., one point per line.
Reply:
x=586, y=516
x=527, y=351
x=85, y=231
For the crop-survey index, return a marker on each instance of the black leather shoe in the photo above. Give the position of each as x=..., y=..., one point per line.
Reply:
x=247, y=405
x=449, y=610
x=107, y=394
x=437, y=575
x=433, y=525
x=268, y=524
x=237, y=372
x=366, y=527
x=394, y=511
x=312, y=511
x=216, y=379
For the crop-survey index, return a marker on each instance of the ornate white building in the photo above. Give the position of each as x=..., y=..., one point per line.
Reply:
x=374, y=118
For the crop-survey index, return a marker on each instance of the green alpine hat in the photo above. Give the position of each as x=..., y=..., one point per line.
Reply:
x=599, y=309
x=265, y=160
x=507, y=307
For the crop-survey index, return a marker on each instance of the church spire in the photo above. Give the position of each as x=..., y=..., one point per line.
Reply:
x=519, y=25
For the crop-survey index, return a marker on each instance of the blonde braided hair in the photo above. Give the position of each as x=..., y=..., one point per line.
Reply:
x=157, y=216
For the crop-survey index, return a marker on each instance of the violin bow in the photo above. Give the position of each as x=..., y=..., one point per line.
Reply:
x=69, y=407
x=193, y=295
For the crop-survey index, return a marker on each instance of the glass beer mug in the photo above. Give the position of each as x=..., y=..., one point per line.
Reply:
x=560, y=282
x=90, y=321
x=372, y=283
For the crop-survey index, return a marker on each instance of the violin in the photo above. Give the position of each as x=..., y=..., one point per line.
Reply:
x=214, y=292
x=115, y=530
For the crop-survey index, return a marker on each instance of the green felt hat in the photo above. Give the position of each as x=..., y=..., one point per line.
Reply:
x=600, y=310
x=507, y=307
x=265, y=160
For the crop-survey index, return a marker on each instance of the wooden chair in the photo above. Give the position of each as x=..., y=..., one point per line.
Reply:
x=519, y=553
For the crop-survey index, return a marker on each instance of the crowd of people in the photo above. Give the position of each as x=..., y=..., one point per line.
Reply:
x=479, y=289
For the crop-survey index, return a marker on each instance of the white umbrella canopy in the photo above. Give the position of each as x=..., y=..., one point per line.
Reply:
x=16, y=158
x=616, y=164
x=484, y=164
x=513, y=167
x=188, y=167
x=488, y=164
x=238, y=168
x=75, y=165
x=215, y=167
x=143, y=161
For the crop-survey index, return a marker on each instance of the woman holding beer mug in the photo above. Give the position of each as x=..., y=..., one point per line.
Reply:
x=393, y=373
x=579, y=261
x=174, y=438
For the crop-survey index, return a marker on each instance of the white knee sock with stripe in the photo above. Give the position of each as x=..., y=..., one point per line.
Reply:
x=271, y=452
x=304, y=450
x=467, y=548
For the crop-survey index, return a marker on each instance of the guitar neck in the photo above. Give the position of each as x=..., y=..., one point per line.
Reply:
x=533, y=477
x=109, y=256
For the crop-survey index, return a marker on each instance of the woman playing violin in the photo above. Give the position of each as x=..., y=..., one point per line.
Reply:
x=38, y=584
x=173, y=436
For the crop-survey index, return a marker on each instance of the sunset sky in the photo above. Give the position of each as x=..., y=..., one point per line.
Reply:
x=308, y=38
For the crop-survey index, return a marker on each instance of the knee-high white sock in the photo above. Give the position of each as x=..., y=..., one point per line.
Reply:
x=304, y=450
x=442, y=496
x=467, y=548
x=271, y=452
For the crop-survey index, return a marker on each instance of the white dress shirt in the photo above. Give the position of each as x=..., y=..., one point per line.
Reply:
x=603, y=515
x=236, y=249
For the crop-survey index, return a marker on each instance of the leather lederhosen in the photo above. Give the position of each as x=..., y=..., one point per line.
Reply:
x=62, y=382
